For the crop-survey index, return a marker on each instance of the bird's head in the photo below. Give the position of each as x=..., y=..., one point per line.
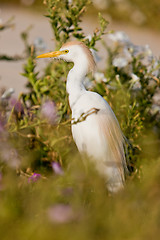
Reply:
x=76, y=52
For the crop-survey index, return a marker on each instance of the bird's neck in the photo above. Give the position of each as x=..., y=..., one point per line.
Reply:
x=75, y=78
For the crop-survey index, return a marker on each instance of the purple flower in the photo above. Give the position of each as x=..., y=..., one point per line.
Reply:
x=61, y=213
x=34, y=178
x=18, y=107
x=57, y=168
x=49, y=112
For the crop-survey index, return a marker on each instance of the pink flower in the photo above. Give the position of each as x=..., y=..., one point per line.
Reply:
x=61, y=213
x=34, y=178
x=57, y=168
x=49, y=112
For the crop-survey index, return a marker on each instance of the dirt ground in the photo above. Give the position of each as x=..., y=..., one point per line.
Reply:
x=11, y=43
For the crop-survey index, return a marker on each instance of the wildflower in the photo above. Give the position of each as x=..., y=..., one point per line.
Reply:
x=154, y=68
x=119, y=37
x=120, y=62
x=99, y=77
x=96, y=57
x=144, y=51
x=135, y=83
x=147, y=50
x=40, y=44
x=48, y=111
x=57, y=168
x=123, y=58
x=17, y=105
x=34, y=178
x=89, y=37
x=88, y=83
x=61, y=213
x=155, y=109
x=135, y=78
x=137, y=86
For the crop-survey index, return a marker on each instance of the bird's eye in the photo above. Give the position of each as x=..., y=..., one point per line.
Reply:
x=66, y=51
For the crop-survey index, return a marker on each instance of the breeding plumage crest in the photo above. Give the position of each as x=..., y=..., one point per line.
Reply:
x=86, y=50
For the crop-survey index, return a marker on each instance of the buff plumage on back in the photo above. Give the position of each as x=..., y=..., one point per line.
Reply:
x=86, y=50
x=111, y=130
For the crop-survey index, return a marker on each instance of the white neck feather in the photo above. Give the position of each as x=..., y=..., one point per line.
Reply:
x=75, y=78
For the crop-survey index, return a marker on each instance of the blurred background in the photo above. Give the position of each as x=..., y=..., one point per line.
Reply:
x=139, y=19
x=45, y=188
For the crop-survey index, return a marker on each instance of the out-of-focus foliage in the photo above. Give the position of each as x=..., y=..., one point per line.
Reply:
x=142, y=13
x=46, y=191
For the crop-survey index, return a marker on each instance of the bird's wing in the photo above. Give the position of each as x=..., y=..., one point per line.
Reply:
x=99, y=134
x=109, y=128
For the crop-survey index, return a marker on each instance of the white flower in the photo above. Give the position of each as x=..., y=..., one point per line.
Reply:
x=134, y=77
x=40, y=44
x=155, y=109
x=137, y=86
x=120, y=37
x=96, y=57
x=147, y=50
x=120, y=62
x=137, y=50
x=88, y=83
x=122, y=59
x=127, y=54
x=99, y=77
x=89, y=37
x=135, y=83
x=156, y=68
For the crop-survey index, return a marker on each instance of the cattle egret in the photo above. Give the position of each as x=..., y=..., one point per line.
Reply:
x=95, y=128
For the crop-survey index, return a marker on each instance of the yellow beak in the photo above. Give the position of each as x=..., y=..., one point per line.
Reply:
x=50, y=54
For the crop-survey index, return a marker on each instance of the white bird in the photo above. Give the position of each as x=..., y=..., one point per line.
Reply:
x=95, y=128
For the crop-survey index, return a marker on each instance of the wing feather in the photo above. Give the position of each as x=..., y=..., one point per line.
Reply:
x=110, y=129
